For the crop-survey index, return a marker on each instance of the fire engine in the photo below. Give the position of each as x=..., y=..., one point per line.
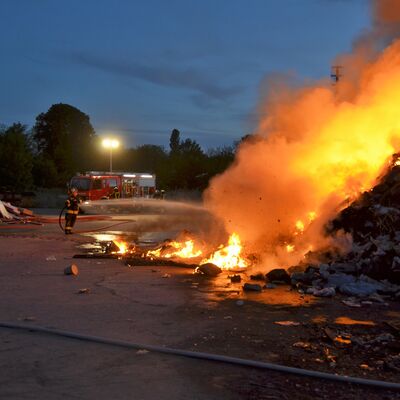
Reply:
x=98, y=185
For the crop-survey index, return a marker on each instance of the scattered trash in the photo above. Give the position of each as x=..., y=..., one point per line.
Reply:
x=259, y=276
x=209, y=269
x=287, y=323
x=278, y=275
x=252, y=287
x=84, y=291
x=51, y=258
x=166, y=276
x=239, y=302
x=71, y=270
x=324, y=292
x=142, y=351
x=235, y=278
x=350, y=302
x=302, y=345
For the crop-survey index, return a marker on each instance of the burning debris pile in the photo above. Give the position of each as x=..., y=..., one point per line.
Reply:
x=185, y=250
x=373, y=263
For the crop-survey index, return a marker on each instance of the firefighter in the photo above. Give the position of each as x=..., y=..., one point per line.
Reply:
x=115, y=193
x=72, y=205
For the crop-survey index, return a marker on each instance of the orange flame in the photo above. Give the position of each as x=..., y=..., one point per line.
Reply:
x=228, y=257
x=177, y=250
x=314, y=150
x=122, y=246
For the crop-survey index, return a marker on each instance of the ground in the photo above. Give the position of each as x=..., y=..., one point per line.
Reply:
x=172, y=307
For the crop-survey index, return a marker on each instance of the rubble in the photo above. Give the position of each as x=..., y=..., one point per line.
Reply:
x=371, y=269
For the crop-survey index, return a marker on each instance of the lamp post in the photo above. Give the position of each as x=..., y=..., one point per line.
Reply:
x=110, y=144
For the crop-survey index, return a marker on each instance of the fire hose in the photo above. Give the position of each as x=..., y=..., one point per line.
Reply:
x=205, y=356
x=91, y=230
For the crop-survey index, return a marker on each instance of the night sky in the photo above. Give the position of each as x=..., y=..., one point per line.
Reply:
x=142, y=68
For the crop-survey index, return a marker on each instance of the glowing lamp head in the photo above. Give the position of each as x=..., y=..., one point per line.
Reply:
x=110, y=143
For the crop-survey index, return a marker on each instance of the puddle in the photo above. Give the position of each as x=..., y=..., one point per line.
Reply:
x=319, y=319
x=221, y=288
x=350, y=321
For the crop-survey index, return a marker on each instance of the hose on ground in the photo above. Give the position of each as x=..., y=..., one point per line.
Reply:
x=205, y=356
x=59, y=218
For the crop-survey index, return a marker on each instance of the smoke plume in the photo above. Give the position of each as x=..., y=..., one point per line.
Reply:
x=315, y=148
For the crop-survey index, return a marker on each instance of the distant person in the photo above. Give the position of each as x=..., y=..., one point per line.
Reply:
x=115, y=193
x=72, y=206
x=162, y=194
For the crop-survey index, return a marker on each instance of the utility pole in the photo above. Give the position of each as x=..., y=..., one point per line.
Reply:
x=336, y=73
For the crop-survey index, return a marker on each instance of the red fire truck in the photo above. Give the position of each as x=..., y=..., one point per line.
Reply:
x=97, y=185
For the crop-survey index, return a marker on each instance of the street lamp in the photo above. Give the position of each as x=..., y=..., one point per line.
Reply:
x=110, y=144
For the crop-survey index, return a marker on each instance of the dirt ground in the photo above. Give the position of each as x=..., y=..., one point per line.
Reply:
x=172, y=307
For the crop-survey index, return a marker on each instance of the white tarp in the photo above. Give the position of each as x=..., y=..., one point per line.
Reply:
x=3, y=212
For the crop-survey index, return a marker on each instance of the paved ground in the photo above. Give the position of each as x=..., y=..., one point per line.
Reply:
x=169, y=307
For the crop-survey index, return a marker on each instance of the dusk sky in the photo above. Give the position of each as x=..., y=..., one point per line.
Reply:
x=142, y=68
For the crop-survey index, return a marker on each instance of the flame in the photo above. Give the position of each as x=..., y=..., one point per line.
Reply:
x=317, y=149
x=177, y=250
x=122, y=246
x=228, y=257
x=290, y=248
x=300, y=226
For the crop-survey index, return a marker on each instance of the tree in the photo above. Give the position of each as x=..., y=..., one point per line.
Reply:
x=219, y=159
x=186, y=163
x=64, y=135
x=16, y=158
x=174, y=141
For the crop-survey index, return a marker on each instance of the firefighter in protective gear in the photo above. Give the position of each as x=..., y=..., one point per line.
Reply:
x=115, y=193
x=72, y=205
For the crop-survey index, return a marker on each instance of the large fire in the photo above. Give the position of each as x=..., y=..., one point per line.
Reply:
x=316, y=148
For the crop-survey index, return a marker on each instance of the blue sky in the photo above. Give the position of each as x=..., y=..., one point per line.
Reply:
x=142, y=68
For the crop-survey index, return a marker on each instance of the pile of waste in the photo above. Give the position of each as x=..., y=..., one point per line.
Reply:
x=10, y=214
x=372, y=267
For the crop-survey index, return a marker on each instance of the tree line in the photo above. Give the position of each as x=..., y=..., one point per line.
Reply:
x=63, y=142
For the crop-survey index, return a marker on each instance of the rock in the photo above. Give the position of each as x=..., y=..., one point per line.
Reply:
x=258, y=277
x=278, y=274
x=71, y=270
x=209, y=269
x=338, y=279
x=324, y=292
x=343, y=267
x=252, y=287
x=270, y=286
x=358, y=288
x=235, y=278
